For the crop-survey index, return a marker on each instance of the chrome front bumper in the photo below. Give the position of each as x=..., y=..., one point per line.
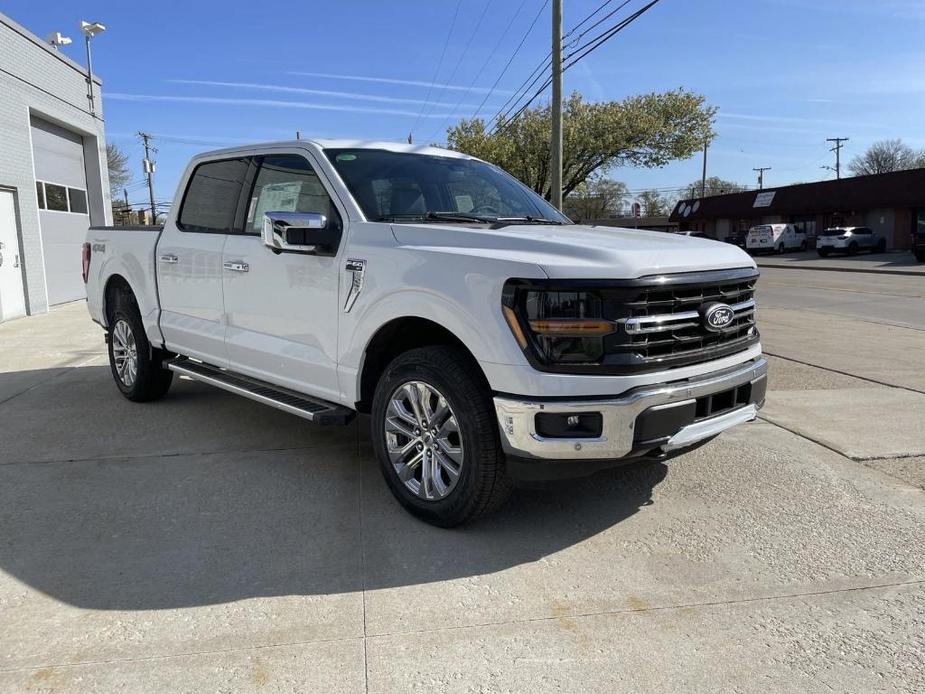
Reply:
x=516, y=417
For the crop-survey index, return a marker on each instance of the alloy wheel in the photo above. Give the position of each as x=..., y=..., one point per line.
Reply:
x=423, y=440
x=125, y=353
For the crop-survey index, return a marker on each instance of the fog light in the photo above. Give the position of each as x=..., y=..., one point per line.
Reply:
x=581, y=425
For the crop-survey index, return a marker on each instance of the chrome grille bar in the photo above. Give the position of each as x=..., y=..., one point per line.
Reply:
x=643, y=325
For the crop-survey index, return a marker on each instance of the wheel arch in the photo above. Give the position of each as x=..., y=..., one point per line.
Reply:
x=396, y=337
x=115, y=284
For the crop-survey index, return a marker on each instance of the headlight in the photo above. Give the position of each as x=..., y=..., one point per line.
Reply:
x=563, y=326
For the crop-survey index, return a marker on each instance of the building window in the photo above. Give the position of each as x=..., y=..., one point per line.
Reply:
x=78, y=200
x=56, y=198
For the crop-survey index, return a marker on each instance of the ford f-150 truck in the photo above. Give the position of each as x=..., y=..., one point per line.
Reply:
x=488, y=337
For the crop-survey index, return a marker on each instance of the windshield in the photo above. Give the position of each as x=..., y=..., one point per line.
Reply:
x=762, y=230
x=405, y=187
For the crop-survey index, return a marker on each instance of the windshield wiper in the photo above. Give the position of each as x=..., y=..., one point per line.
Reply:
x=436, y=217
x=505, y=221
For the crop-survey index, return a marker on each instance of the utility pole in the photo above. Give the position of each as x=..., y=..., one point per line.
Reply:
x=703, y=180
x=761, y=171
x=555, y=145
x=149, y=172
x=127, y=210
x=837, y=149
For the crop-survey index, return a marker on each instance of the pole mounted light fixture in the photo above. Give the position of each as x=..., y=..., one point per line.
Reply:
x=89, y=30
x=58, y=39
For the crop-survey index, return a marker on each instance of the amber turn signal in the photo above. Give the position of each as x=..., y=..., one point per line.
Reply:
x=572, y=328
x=514, y=325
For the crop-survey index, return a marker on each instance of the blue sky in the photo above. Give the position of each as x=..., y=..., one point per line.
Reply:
x=785, y=74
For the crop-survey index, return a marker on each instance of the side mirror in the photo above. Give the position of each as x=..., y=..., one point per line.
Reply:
x=300, y=232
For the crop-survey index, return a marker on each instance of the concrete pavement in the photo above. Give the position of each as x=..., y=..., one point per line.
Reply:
x=892, y=262
x=207, y=543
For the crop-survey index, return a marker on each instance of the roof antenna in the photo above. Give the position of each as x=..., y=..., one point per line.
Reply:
x=298, y=135
x=409, y=139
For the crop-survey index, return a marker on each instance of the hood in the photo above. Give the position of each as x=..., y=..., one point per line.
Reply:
x=579, y=252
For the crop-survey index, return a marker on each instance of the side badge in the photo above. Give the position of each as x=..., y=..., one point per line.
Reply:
x=357, y=269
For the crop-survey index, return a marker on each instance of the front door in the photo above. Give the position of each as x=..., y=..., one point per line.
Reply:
x=189, y=260
x=12, y=302
x=281, y=309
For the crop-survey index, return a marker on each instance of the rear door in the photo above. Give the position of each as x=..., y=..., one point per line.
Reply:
x=281, y=308
x=189, y=259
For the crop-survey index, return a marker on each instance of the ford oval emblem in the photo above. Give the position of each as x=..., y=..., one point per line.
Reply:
x=718, y=317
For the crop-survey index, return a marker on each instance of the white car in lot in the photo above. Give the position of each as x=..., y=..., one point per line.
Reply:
x=849, y=240
x=775, y=238
x=487, y=336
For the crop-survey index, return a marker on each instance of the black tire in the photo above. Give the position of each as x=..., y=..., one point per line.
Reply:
x=823, y=252
x=881, y=247
x=780, y=249
x=853, y=248
x=803, y=246
x=151, y=380
x=919, y=255
x=482, y=484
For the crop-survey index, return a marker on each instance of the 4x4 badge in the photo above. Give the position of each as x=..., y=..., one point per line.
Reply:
x=357, y=268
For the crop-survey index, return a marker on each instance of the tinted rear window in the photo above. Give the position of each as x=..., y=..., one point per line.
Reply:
x=832, y=232
x=212, y=196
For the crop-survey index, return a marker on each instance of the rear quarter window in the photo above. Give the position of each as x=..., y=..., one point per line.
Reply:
x=212, y=195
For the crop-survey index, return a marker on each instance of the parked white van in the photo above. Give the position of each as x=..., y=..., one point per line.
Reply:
x=775, y=238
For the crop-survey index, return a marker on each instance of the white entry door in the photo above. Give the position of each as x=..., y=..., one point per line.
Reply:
x=12, y=302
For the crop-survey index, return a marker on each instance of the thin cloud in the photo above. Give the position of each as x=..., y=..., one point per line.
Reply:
x=794, y=119
x=267, y=103
x=315, y=92
x=409, y=83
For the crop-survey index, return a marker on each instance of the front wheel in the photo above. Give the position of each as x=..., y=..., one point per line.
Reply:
x=436, y=438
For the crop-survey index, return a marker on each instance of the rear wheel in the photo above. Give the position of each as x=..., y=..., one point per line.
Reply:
x=136, y=366
x=436, y=439
x=823, y=252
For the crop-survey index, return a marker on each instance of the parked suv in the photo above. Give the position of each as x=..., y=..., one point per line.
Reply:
x=849, y=240
x=487, y=336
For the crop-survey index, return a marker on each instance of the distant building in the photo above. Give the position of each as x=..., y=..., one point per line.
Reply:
x=53, y=177
x=661, y=223
x=891, y=204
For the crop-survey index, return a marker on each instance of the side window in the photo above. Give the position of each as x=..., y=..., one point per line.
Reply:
x=287, y=183
x=212, y=196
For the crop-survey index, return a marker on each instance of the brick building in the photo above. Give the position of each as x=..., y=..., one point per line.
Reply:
x=891, y=204
x=53, y=177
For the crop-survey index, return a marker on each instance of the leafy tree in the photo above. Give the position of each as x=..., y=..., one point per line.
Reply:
x=117, y=163
x=649, y=130
x=886, y=156
x=596, y=198
x=715, y=186
x=654, y=204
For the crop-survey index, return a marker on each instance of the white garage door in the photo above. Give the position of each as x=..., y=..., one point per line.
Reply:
x=61, y=187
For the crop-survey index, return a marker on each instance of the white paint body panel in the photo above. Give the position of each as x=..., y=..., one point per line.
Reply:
x=12, y=298
x=283, y=320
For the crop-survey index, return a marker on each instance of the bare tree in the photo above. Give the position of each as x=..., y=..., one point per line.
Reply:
x=117, y=163
x=886, y=156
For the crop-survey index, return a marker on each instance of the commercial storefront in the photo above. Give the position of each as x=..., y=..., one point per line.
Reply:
x=53, y=177
x=892, y=204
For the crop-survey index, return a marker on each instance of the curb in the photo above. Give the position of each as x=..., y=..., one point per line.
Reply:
x=792, y=266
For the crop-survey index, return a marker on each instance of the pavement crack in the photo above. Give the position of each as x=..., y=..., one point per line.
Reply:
x=844, y=373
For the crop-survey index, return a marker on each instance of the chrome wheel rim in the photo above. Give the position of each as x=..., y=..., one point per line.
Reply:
x=423, y=440
x=125, y=353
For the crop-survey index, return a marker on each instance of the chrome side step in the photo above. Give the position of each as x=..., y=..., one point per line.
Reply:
x=307, y=407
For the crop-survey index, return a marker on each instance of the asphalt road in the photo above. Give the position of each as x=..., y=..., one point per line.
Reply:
x=207, y=543
x=873, y=298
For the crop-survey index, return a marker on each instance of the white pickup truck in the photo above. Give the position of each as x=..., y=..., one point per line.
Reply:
x=488, y=338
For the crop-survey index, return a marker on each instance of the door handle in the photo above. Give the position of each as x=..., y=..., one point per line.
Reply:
x=16, y=260
x=170, y=259
x=236, y=265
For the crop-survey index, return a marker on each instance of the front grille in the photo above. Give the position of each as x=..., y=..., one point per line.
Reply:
x=662, y=325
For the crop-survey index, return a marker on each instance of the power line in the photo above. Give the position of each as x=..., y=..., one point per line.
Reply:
x=430, y=88
x=597, y=23
x=594, y=44
x=513, y=55
x=462, y=56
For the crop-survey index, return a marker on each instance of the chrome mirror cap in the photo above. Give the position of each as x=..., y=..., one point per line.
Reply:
x=275, y=225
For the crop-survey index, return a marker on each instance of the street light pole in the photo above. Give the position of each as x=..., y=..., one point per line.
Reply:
x=555, y=145
x=90, y=30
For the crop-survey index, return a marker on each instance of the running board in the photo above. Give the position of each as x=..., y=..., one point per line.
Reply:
x=312, y=409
